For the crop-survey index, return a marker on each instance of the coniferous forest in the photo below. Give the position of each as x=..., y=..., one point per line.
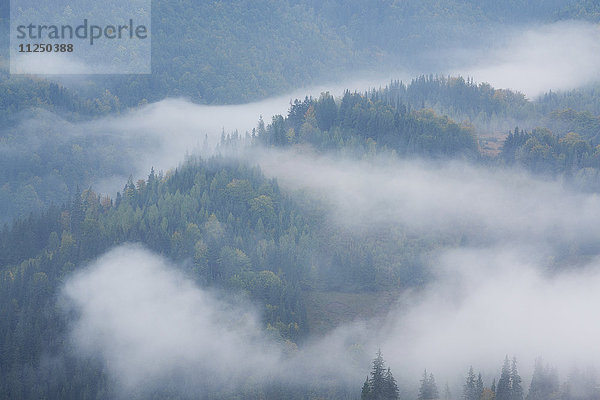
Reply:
x=300, y=189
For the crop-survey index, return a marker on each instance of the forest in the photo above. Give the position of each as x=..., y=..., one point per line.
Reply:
x=445, y=221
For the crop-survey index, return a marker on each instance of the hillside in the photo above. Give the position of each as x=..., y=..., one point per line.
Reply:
x=200, y=233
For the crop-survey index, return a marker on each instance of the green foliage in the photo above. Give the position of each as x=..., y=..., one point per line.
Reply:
x=584, y=123
x=202, y=212
x=364, y=123
x=458, y=98
x=239, y=51
x=473, y=388
x=580, y=99
x=21, y=93
x=235, y=51
x=380, y=385
x=222, y=220
x=509, y=385
x=33, y=177
x=542, y=152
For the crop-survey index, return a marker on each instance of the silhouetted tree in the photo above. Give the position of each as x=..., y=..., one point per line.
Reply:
x=380, y=385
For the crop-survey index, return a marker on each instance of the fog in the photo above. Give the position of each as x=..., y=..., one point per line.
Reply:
x=495, y=301
x=152, y=327
x=148, y=322
x=500, y=291
x=511, y=287
x=52, y=64
x=523, y=281
x=157, y=135
x=533, y=60
x=487, y=205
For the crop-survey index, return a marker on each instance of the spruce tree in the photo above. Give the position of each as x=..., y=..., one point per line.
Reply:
x=469, y=387
x=365, y=394
x=380, y=385
x=515, y=382
x=503, y=390
x=478, y=387
x=391, y=391
x=377, y=381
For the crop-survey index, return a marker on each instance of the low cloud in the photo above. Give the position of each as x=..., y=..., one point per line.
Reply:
x=154, y=328
x=51, y=64
x=509, y=290
x=486, y=303
x=486, y=205
x=148, y=323
x=523, y=280
x=558, y=56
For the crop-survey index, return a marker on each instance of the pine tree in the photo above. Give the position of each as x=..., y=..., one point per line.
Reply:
x=503, y=390
x=391, y=391
x=365, y=394
x=377, y=381
x=515, y=382
x=380, y=385
x=469, y=387
x=478, y=387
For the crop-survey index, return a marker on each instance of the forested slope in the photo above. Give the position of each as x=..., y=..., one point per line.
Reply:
x=239, y=51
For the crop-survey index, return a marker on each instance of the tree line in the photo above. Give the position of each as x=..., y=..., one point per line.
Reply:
x=544, y=385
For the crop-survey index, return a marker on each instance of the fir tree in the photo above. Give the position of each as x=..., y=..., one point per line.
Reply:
x=478, y=387
x=391, y=391
x=377, y=381
x=503, y=390
x=515, y=382
x=380, y=385
x=469, y=387
x=365, y=394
